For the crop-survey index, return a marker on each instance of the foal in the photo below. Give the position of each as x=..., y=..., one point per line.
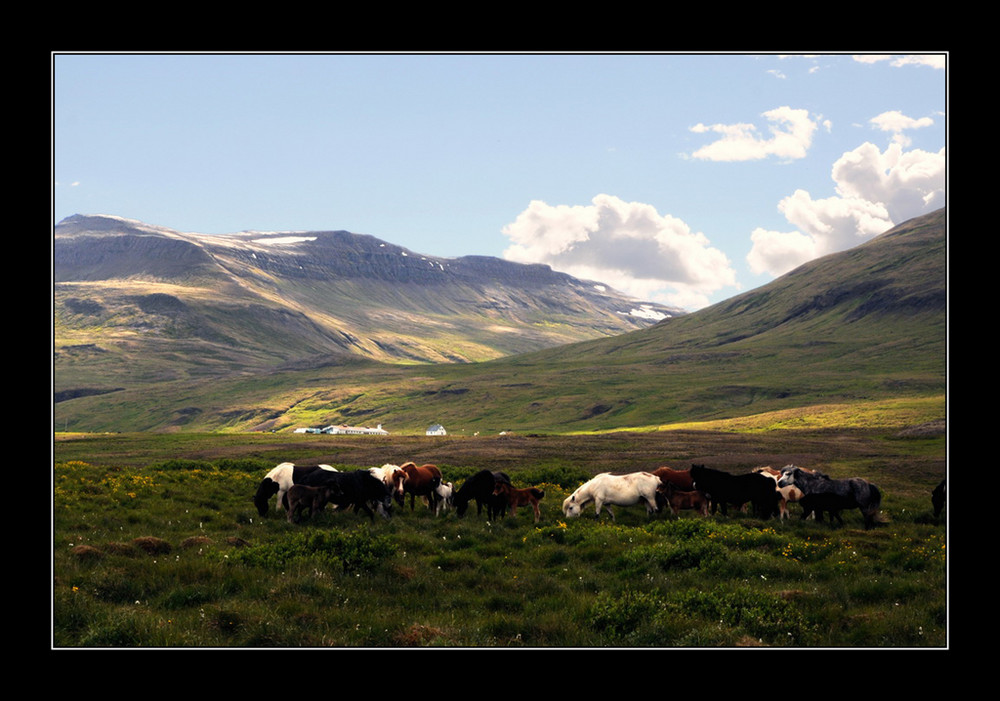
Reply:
x=678, y=499
x=520, y=497
x=301, y=496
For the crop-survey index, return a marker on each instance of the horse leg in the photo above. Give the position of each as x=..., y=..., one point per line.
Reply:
x=364, y=505
x=537, y=512
x=651, y=507
x=607, y=507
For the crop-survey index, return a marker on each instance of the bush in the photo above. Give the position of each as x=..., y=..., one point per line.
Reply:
x=352, y=551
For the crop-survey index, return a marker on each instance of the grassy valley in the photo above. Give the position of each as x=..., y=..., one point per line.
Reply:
x=838, y=366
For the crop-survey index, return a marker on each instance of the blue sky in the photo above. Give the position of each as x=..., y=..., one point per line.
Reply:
x=680, y=178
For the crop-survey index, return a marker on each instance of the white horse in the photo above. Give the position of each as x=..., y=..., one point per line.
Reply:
x=278, y=481
x=444, y=492
x=619, y=490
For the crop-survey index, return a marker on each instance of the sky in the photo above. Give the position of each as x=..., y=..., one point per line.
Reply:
x=683, y=179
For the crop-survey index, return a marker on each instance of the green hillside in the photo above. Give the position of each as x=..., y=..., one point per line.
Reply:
x=861, y=326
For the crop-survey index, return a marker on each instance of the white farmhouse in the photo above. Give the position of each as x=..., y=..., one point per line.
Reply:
x=436, y=430
x=356, y=431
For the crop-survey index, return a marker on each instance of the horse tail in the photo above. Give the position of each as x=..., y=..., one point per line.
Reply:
x=539, y=494
x=870, y=510
x=874, y=498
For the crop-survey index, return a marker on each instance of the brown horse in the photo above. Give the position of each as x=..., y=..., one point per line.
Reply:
x=420, y=481
x=520, y=497
x=678, y=499
x=681, y=479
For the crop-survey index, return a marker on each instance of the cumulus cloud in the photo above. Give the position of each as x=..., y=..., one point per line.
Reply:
x=789, y=137
x=875, y=191
x=628, y=245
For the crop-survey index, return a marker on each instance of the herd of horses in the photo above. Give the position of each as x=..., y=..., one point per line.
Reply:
x=766, y=490
x=309, y=488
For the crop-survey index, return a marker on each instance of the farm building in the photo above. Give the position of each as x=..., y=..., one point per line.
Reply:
x=436, y=430
x=355, y=431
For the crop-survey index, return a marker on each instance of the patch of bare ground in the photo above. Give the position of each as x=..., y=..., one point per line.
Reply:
x=418, y=635
x=931, y=428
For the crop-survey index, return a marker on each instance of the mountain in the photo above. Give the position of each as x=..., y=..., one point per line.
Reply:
x=864, y=325
x=136, y=303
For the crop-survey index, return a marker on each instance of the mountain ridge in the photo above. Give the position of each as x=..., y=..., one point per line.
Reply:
x=318, y=292
x=861, y=326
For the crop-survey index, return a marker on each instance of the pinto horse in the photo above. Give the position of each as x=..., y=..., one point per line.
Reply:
x=834, y=495
x=786, y=495
x=279, y=480
x=724, y=489
x=519, y=497
x=420, y=482
x=393, y=477
x=480, y=488
x=606, y=490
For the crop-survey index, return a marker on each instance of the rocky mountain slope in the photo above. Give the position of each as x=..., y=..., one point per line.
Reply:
x=136, y=302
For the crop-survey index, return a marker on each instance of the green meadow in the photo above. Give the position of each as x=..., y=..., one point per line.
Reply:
x=156, y=544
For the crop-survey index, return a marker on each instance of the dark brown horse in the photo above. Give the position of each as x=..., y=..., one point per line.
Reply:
x=311, y=499
x=519, y=497
x=681, y=479
x=421, y=481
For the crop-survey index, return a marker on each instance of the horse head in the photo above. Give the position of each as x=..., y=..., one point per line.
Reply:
x=267, y=489
x=789, y=474
x=571, y=507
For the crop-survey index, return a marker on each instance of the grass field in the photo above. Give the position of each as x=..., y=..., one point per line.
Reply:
x=156, y=544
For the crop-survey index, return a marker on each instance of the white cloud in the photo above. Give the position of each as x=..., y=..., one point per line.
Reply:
x=776, y=252
x=791, y=132
x=896, y=123
x=898, y=60
x=907, y=183
x=875, y=191
x=627, y=245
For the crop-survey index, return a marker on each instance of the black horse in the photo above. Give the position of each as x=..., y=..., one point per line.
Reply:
x=358, y=488
x=480, y=488
x=723, y=489
x=834, y=495
x=938, y=498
